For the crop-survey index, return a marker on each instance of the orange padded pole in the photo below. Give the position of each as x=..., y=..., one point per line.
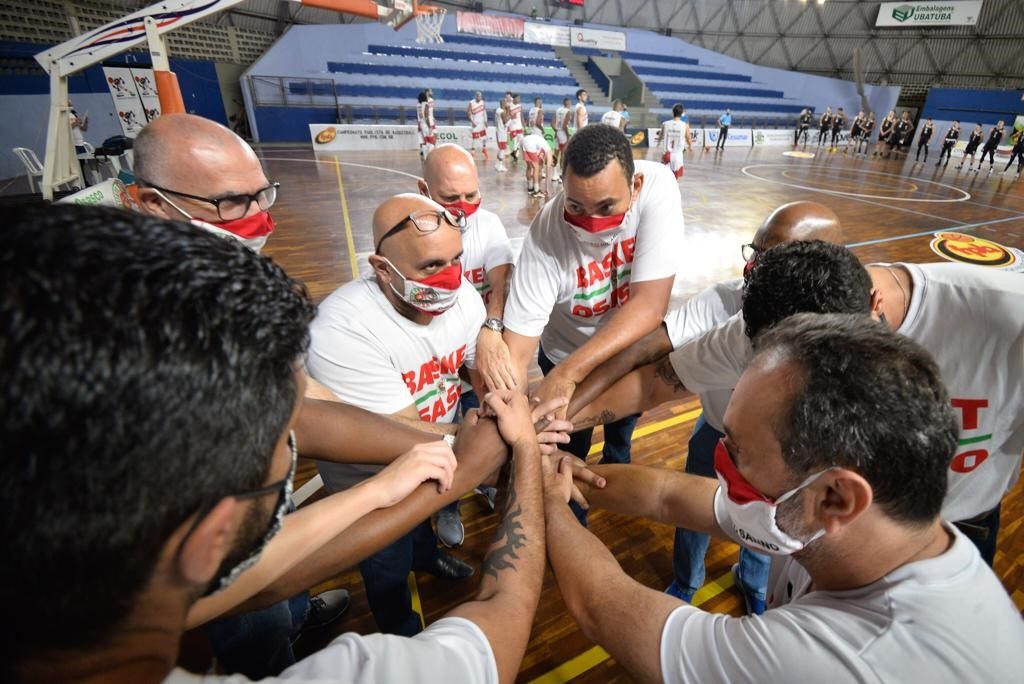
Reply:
x=167, y=89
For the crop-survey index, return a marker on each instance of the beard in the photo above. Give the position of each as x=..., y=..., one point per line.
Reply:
x=250, y=538
x=790, y=518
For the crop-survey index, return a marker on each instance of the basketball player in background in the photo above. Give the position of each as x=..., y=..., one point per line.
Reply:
x=824, y=123
x=613, y=117
x=501, y=133
x=580, y=116
x=855, y=130
x=535, y=120
x=425, y=123
x=1018, y=153
x=885, y=133
x=476, y=112
x=515, y=125
x=673, y=133
x=803, y=122
x=538, y=164
x=995, y=136
x=838, y=124
x=949, y=142
x=922, y=141
x=561, y=124
x=865, y=135
x=977, y=135
x=901, y=134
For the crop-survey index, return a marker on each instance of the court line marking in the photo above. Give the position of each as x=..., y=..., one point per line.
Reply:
x=652, y=428
x=593, y=657
x=913, y=186
x=923, y=233
x=746, y=172
x=336, y=161
x=417, y=606
x=350, y=241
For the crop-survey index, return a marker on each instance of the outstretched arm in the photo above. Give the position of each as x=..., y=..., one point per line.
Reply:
x=638, y=391
x=514, y=566
x=612, y=609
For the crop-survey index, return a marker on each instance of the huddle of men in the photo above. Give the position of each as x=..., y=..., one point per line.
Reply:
x=860, y=426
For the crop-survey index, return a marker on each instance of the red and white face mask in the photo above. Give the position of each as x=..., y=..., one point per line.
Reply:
x=251, y=231
x=752, y=513
x=467, y=208
x=601, y=228
x=434, y=294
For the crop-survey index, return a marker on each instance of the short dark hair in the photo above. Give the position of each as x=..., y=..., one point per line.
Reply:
x=581, y=90
x=677, y=110
x=422, y=97
x=593, y=148
x=148, y=371
x=809, y=276
x=871, y=401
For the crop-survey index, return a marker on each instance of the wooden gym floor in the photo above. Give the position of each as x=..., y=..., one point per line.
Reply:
x=888, y=210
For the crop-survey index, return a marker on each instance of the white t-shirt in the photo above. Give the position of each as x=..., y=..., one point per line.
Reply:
x=532, y=119
x=450, y=650
x=971, y=320
x=478, y=110
x=515, y=121
x=485, y=246
x=560, y=114
x=945, y=619
x=562, y=286
x=701, y=314
x=374, y=358
x=500, y=127
x=612, y=118
x=534, y=143
x=576, y=114
x=674, y=132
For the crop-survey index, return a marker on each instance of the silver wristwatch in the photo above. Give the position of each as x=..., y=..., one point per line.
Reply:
x=494, y=324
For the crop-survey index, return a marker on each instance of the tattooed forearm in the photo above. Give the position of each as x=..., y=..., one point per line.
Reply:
x=667, y=374
x=606, y=416
x=511, y=537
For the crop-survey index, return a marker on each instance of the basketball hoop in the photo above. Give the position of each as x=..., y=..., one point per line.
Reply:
x=428, y=25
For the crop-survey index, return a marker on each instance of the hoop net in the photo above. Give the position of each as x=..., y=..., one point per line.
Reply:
x=428, y=26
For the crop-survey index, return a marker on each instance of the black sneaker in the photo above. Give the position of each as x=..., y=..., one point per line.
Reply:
x=326, y=608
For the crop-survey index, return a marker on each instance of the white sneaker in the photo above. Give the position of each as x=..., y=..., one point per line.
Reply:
x=500, y=167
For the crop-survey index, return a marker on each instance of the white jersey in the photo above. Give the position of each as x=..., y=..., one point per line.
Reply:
x=515, y=119
x=944, y=619
x=534, y=143
x=706, y=310
x=560, y=118
x=500, y=127
x=452, y=649
x=580, y=116
x=674, y=139
x=971, y=321
x=612, y=118
x=536, y=120
x=478, y=114
x=563, y=286
x=425, y=117
x=485, y=246
x=371, y=356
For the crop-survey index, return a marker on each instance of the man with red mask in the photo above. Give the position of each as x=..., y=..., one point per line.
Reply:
x=450, y=179
x=399, y=342
x=217, y=183
x=596, y=271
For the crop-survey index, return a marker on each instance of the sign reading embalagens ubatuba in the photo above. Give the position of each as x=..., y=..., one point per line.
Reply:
x=904, y=14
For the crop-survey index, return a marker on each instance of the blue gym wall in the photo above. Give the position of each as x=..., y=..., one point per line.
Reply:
x=25, y=100
x=304, y=51
x=977, y=106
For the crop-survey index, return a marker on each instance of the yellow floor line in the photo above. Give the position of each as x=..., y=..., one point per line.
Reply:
x=652, y=428
x=348, y=224
x=593, y=657
x=416, y=604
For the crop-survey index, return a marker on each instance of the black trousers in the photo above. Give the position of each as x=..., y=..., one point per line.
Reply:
x=723, y=133
x=991, y=152
x=947, y=149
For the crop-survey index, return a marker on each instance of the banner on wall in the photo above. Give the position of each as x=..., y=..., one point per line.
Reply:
x=738, y=137
x=910, y=14
x=546, y=34
x=601, y=40
x=771, y=137
x=347, y=137
x=135, y=97
x=489, y=25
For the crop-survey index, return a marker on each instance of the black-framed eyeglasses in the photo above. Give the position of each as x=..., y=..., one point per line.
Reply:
x=229, y=207
x=427, y=221
x=750, y=252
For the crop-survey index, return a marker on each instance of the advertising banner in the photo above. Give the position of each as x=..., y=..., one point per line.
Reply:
x=912, y=14
x=131, y=113
x=771, y=137
x=488, y=25
x=347, y=137
x=602, y=40
x=738, y=137
x=546, y=34
x=145, y=84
